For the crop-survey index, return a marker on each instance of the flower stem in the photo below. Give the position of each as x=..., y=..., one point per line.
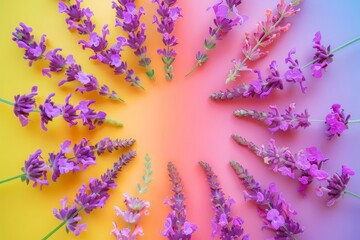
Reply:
x=114, y=122
x=12, y=178
x=345, y=44
x=352, y=194
x=192, y=70
x=7, y=102
x=61, y=224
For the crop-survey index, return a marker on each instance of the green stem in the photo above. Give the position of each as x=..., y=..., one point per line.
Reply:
x=345, y=45
x=193, y=69
x=114, y=122
x=12, y=178
x=352, y=194
x=61, y=224
x=350, y=121
x=7, y=102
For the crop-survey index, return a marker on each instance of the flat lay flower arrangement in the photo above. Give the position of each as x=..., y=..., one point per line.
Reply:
x=167, y=119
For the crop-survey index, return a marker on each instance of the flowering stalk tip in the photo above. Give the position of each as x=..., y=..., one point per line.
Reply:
x=226, y=18
x=136, y=207
x=176, y=225
x=272, y=207
x=224, y=225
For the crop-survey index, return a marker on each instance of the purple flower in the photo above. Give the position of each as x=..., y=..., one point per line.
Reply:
x=305, y=164
x=88, y=115
x=48, y=111
x=224, y=225
x=76, y=16
x=96, y=43
x=168, y=14
x=272, y=207
x=135, y=208
x=336, y=185
x=276, y=121
x=35, y=170
x=70, y=215
x=322, y=58
x=60, y=164
x=57, y=62
x=336, y=121
x=294, y=74
x=69, y=113
x=92, y=196
x=259, y=87
x=23, y=35
x=24, y=105
x=24, y=39
x=109, y=145
x=84, y=154
x=176, y=225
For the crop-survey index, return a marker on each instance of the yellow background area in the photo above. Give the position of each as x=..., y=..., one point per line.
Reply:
x=26, y=212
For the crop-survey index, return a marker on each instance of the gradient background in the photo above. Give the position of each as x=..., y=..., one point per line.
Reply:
x=176, y=121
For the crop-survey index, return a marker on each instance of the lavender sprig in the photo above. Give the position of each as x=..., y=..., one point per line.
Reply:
x=80, y=19
x=305, y=165
x=36, y=170
x=59, y=63
x=224, y=225
x=263, y=87
x=278, y=121
x=176, y=225
x=136, y=207
x=336, y=186
x=226, y=17
x=272, y=207
x=266, y=32
x=89, y=197
x=128, y=18
x=336, y=121
x=24, y=104
x=168, y=13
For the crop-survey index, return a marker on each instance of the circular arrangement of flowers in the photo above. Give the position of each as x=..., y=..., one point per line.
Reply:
x=147, y=119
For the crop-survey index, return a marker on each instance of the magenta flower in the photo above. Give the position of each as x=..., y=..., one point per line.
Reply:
x=294, y=74
x=96, y=43
x=176, y=225
x=272, y=207
x=322, y=58
x=35, y=170
x=336, y=121
x=305, y=165
x=89, y=116
x=224, y=225
x=259, y=87
x=25, y=104
x=337, y=184
x=277, y=121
